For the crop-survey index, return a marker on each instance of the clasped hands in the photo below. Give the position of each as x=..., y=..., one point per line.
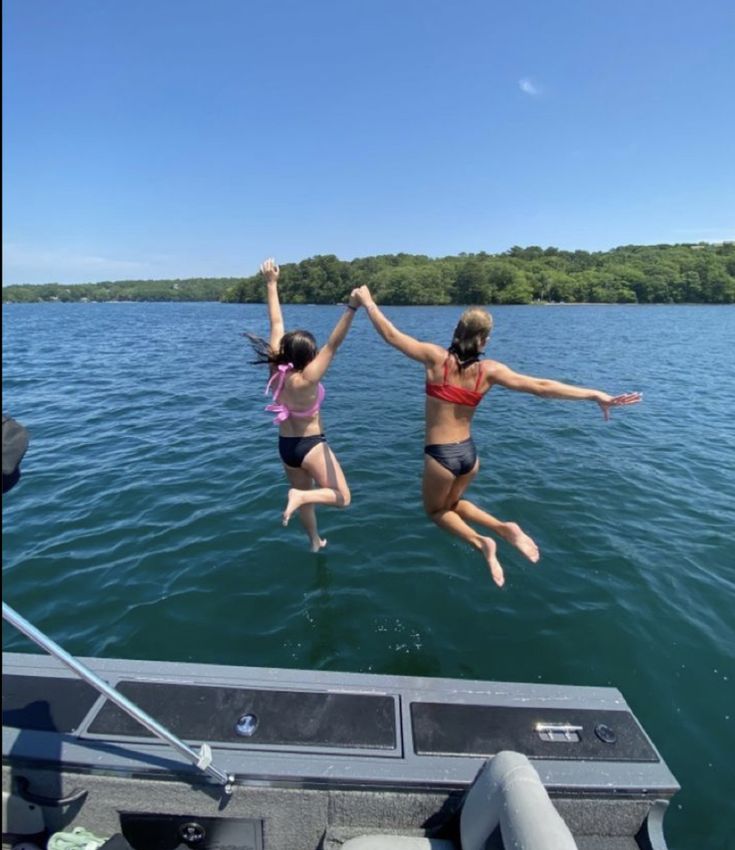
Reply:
x=361, y=297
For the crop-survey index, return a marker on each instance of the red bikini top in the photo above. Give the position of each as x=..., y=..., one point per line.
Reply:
x=453, y=394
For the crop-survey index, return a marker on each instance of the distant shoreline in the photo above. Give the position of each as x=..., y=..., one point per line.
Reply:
x=490, y=306
x=701, y=273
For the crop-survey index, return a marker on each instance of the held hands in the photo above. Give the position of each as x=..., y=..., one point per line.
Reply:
x=607, y=401
x=270, y=271
x=362, y=296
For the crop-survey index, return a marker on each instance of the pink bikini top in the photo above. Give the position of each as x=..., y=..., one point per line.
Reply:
x=283, y=411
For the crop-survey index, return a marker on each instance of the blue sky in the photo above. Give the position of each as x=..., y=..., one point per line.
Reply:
x=181, y=138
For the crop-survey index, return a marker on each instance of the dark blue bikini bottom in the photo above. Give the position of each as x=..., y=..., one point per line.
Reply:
x=293, y=450
x=458, y=458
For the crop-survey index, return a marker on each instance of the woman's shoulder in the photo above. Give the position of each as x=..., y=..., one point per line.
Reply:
x=439, y=354
x=491, y=366
x=493, y=370
x=298, y=381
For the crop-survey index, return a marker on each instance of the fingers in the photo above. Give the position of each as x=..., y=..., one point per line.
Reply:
x=627, y=398
x=269, y=266
x=619, y=401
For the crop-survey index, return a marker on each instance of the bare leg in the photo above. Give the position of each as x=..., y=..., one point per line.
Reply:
x=439, y=486
x=452, y=522
x=323, y=467
x=509, y=531
x=298, y=499
x=302, y=481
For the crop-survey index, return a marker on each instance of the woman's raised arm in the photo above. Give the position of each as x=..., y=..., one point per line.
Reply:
x=503, y=376
x=319, y=365
x=270, y=272
x=425, y=352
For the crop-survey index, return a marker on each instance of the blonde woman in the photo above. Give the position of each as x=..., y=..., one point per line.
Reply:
x=457, y=379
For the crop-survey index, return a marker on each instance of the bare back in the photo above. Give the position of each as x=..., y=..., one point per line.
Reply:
x=299, y=394
x=447, y=422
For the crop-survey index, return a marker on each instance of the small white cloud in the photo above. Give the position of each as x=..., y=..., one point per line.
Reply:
x=527, y=86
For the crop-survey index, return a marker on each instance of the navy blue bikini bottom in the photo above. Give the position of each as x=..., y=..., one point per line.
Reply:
x=458, y=458
x=293, y=450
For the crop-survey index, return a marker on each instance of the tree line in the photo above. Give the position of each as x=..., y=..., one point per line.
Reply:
x=645, y=274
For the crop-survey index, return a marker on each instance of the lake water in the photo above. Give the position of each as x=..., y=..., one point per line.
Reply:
x=146, y=524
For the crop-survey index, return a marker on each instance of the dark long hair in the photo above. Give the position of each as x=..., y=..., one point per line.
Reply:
x=297, y=347
x=470, y=335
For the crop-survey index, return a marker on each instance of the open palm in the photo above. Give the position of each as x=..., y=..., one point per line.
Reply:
x=618, y=401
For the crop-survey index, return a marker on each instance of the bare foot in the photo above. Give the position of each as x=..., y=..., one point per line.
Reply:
x=318, y=544
x=295, y=498
x=489, y=548
x=516, y=536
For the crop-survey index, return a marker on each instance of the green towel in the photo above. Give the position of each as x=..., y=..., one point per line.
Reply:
x=78, y=839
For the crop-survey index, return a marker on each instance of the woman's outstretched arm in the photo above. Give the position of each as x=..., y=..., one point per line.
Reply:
x=270, y=272
x=319, y=365
x=505, y=377
x=425, y=352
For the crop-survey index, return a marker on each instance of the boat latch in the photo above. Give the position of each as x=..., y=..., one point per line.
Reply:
x=605, y=734
x=246, y=725
x=556, y=732
x=192, y=833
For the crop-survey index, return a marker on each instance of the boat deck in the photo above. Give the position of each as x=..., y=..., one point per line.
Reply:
x=318, y=757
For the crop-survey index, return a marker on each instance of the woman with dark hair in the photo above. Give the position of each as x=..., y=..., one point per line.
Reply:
x=296, y=369
x=456, y=381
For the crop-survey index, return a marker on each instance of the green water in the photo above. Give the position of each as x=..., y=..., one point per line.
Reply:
x=147, y=521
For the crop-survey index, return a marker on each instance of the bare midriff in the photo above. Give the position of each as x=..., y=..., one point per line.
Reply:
x=301, y=427
x=447, y=423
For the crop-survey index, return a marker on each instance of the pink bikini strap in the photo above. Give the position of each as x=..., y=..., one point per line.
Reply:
x=303, y=414
x=282, y=411
x=283, y=370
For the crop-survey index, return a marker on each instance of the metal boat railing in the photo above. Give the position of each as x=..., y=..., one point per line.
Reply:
x=202, y=759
